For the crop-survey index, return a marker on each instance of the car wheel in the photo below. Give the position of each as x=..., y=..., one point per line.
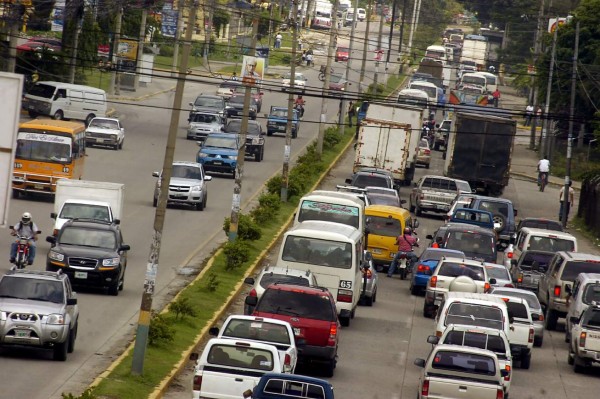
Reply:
x=345, y=321
x=200, y=205
x=538, y=341
x=155, y=202
x=113, y=289
x=427, y=166
x=526, y=362
x=89, y=119
x=500, y=220
x=426, y=312
x=16, y=194
x=32, y=114
x=551, y=319
x=58, y=115
x=262, y=153
x=570, y=357
x=121, y=144
x=329, y=368
x=61, y=349
x=567, y=336
x=436, y=147
x=369, y=300
x=122, y=283
x=269, y=134
x=414, y=290
x=578, y=364
x=72, y=336
x=257, y=156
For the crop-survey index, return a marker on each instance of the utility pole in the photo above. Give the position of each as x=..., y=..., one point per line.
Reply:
x=180, y=6
x=532, y=91
x=565, y=199
x=13, y=33
x=363, y=65
x=347, y=74
x=325, y=93
x=239, y=169
x=114, y=81
x=140, y=52
x=377, y=61
x=413, y=25
x=141, y=337
x=78, y=13
x=287, y=149
x=387, y=57
x=208, y=31
x=401, y=37
x=546, y=121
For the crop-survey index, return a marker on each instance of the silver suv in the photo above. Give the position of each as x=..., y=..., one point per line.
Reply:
x=187, y=185
x=38, y=309
x=202, y=124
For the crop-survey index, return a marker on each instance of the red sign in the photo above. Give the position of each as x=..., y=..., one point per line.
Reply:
x=103, y=50
x=378, y=55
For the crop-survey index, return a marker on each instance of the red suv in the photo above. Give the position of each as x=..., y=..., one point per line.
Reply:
x=342, y=54
x=312, y=314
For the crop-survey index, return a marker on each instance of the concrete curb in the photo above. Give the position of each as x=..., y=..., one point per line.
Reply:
x=534, y=179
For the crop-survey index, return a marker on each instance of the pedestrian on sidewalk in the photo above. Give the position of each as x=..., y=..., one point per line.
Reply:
x=496, y=97
x=278, y=39
x=528, y=114
x=351, y=113
x=538, y=116
x=570, y=199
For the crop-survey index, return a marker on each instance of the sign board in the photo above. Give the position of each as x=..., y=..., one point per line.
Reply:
x=57, y=16
x=11, y=86
x=169, y=20
x=252, y=70
x=531, y=70
x=553, y=23
x=128, y=49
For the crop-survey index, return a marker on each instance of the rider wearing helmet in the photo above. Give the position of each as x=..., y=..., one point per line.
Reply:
x=405, y=242
x=24, y=228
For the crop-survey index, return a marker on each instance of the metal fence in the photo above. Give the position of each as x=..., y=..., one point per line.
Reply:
x=589, y=203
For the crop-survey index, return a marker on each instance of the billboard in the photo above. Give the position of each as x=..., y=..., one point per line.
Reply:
x=57, y=16
x=253, y=69
x=169, y=18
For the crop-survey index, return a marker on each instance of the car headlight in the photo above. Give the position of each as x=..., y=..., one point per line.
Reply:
x=55, y=318
x=111, y=262
x=202, y=155
x=233, y=157
x=256, y=140
x=53, y=255
x=196, y=188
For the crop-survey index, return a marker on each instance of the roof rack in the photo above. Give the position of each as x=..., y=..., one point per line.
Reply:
x=55, y=274
x=92, y=220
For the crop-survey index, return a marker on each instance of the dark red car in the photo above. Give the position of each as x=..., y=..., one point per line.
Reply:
x=311, y=312
x=342, y=54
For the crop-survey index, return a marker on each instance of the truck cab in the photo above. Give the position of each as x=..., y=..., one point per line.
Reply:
x=277, y=121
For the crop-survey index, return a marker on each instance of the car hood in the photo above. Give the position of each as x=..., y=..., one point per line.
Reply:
x=29, y=306
x=88, y=252
x=206, y=109
x=212, y=126
x=218, y=151
x=102, y=130
x=179, y=181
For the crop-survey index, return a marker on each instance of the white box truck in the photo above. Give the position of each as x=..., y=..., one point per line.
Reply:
x=388, y=139
x=475, y=49
x=85, y=199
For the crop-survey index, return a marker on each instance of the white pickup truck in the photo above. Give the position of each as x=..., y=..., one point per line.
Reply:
x=264, y=330
x=461, y=372
x=521, y=332
x=584, y=348
x=227, y=368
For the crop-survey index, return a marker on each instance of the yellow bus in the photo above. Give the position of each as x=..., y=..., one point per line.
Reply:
x=47, y=150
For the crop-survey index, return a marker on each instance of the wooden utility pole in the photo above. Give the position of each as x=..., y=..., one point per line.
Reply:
x=114, y=80
x=343, y=106
x=325, y=92
x=533, y=98
x=378, y=60
x=546, y=120
x=363, y=65
x=180, y=5
x=143, y=327
x=140, y=52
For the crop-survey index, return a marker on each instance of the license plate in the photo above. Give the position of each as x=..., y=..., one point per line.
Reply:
x=38, y=186
x=22, y=333
x=100, y=141
x=280, y=127
x=437, y=302
x=296, y=331
x=376, y=251
x=80, y=275
x=218, y=163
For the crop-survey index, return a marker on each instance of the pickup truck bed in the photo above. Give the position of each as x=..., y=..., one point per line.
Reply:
x=441, y=386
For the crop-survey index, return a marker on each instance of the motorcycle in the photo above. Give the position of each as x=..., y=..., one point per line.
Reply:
x=22, y=257
x=300, y=109
x=405, y=266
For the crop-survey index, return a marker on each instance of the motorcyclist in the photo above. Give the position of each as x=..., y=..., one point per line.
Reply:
x=24, y=228
x=405, y=243
x=299, y=104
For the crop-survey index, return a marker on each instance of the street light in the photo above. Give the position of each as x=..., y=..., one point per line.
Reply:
x=590, y=147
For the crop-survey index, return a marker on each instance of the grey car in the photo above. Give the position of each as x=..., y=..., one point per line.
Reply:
x=208, y=103
x=202, y=124
x=371, y=278
x=187, y=185
x=522, y=272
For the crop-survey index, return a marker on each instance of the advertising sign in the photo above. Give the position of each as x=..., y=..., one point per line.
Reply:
x=57, y=16
x=252, y=70
x=169, y=20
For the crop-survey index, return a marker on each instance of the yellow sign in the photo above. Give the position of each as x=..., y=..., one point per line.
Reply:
x=128, y=49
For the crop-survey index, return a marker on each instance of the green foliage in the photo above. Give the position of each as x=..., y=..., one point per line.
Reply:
x=160, y=330
x=269, y=205
x=220, y=19
x=211, y=282
x=273, y=185
x=166, y=51
x=87, y=394
x=247, y=228
x=331, y=138
x=182, y=308
x=237, y=253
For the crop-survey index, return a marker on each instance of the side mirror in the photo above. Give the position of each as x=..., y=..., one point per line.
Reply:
x=493, y=281
x=429, y=237
x=116, y=221
x=52, y=215
x=419, y=362
x=433, y=340
x=71, y=301
x=511, y=319
x=415, y=185
x=574, y=319
x=348, y=181
x=249, y=281
x=124, y=247
x=515, y=212
x=214, y=331
x=156, y=174
x=247, y=393
x=51, y=239
x=191, y=104
x=415, y=223
x=251, y=300
x=207, y=178
x=402, y=202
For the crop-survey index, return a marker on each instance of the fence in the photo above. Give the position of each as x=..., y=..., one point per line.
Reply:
x=589, y=203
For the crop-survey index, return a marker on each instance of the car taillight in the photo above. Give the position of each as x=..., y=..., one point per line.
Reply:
x=507, y=368
x=509, y=255
x=531, y=334
x=288, y=360
x=500, y=393
x=541, y=318
x=433, y=282
x=425, y=388
x=424, y=269
x=486, y=287
x=557, y=291
x=427, y=152
x=332, y=334
x=582, y=338
x=520, y=278
x=509, y=285
x=344, y=296
x=197, y=382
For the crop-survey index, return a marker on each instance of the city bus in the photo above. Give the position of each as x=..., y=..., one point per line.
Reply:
x=47, y=150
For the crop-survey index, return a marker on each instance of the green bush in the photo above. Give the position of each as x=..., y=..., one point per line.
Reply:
x=166, y=51
x=247, y=228
x=182, y=308
x=273, y=185
x=87, y=394
x=331, y=138
x=212, y=283
x=269, y=205
x=237, y=253
x=160, y=330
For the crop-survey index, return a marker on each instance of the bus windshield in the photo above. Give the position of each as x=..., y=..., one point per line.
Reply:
x=43, y=147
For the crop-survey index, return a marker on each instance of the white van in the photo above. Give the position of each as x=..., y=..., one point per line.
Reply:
x=586, y=289
x=491, y=80
x=331, y=206
x=65, y=101
x=429, y=88
x=414, y=97
x=437, y=52
x=474, y=79
x=334, y=253
x=541, y=240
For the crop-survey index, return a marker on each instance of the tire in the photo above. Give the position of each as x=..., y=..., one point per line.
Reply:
x=32, y=114
x=113, y=289
x=60, y=350
x=501, y=220
x=16, y=194
x=427, y=166
x=526, y=362
x=329, y=368
x=262, y=153
x=89, y=118
x=72, y=337
x=368, y=300
x=345, y=321
x=578, y=367
x=570, y=357
x=122, y=285
x=269, y=134
x=551, y=319
x=121, y=144
x=353, y=313
x=58, y=115
x=414, y=290
x=436, y=146
x=538, y=341
x=200, y=205
x=257, y=156
x=426, y=313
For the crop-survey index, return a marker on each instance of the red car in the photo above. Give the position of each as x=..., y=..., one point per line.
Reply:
x=342, y=54
x=311, y=312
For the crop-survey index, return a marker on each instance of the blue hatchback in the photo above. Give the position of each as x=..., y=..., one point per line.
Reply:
x=276, y=386
x=426, y=265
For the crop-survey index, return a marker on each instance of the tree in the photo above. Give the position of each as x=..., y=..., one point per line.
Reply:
x=220, y=19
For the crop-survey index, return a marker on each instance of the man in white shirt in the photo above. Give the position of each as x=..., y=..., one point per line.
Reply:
x=528, y=114
x=570, y=199
x=543, y=166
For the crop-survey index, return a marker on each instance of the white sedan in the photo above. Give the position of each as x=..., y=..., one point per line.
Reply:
x=299, y=81
x=105, y=132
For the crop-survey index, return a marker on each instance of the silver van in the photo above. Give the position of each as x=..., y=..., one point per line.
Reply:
x=65, y=101
x=586, y=289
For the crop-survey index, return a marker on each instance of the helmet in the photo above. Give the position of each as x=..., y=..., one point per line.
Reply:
x=407, y=230
x=26, y=218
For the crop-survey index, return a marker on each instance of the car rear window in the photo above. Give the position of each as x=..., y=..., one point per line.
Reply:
x=314, y=251
x=471, y=243
x=516, y=309
x=464, y=362
x=499, y=273
x=455, y=269
x=531, y=299
x=272, y=278
x=591, y=318
x=542, y=260
x=477, y=339
x=297, y=304
x=437, y=254
x=550, y=244
x=363, y=181
x=241, y=356
x=573, y=268
x=494, y=207
x=294, y=389
x=387, y=227
x=317, y=210
x=439, y=184
x=471, y=314
x=258, y=330
x=591, y=293
x=474, y=216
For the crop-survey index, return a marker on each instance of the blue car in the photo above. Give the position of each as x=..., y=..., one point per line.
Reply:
x=277, y=386
x=219, y=152
x=426, y=265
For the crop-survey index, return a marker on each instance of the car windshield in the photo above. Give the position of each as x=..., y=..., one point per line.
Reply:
x=342, y=49
x=591, y=318
x=239, y=101
x=471, y=314
x=424, y=144
x=205, y=118
x=476, y=339
x=591, y=293
x=318, y=252
x=279, y=113
x=288, y=76
x=229, y=85
x=209, y=102
x=235, y=126
x=384, y=226
x=272, y=278
x=40, y=147
x=475, y=80
x=529, y=258
x=335, y=78
x=541, y=224
x=551, y=244
x=329, y=212
x=499, y=273
x=471, y=243
x=32, y=289
x=382, y=199
x=258, y=330
x=468, y=363
x=221, y=142
x=42, y=90
x=411, y=99
x=187, y=172
x=363, y=181
x=241, y=357
x=574, y=268
x=296, y=304
x=72, y=210
x=430, y=90
x=85, y=237
x=104, y=123
x=454, y=269
x=531, y=299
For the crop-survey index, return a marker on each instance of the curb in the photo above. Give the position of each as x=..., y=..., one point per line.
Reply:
x=534, y=179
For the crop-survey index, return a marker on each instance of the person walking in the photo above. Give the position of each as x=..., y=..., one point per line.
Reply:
x=351, y=113
x=278, y=39
x=528, y=114
x=570, y=199
x=538, y=116
x=543, y=168
x=496, y=97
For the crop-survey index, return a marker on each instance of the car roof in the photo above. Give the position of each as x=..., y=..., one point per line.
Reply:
x=326, y=230
x=386, y=209
x=209, y=96
x=464, y=349
x=478, y=329
x=466, y=226
x=466, y=261
x=547, y=233
x=258, y=318
x=333, y=197
x=492, y=199
x=299, y=288
x=187, y=163
x=589, y=276
x=476, y=297
x=297, y=377
x=91, y=224
x=579, y=256
x=515, y=290
x=288, y=271
x=36, y=274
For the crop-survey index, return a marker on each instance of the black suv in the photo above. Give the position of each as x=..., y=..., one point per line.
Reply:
x=205, y=102
x=504, y=216
x=474, y=241
x=255, y=140
x=372, y=177
x=39, y=309
x=91, y=253
x=235, y=108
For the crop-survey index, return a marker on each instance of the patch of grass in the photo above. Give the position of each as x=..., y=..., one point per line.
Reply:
x=581, y=227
